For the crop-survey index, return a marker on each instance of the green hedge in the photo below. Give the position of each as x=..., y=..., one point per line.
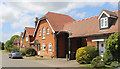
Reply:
x=84, y=55
x=30, y=51
x=107, y=57
x=23, y=53
x=96, y=62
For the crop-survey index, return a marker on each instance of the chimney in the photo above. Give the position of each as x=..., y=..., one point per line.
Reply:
x=36, y=21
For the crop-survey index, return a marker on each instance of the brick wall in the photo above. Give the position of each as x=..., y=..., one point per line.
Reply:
x=49, y=38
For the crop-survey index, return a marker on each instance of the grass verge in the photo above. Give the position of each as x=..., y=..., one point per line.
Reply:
x=5, y=51
x=91, y=66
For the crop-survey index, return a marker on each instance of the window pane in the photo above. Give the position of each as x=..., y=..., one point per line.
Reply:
x=47, y=30
x=50, y=47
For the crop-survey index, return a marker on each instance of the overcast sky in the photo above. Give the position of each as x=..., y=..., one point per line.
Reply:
x=15, y=15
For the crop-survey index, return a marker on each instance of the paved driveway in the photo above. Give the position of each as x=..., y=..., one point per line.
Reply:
x=7, y=62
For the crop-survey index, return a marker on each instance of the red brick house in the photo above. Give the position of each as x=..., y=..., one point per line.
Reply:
x=59, y=35
x=27, y=37
x=45, y=33
x=16, y=42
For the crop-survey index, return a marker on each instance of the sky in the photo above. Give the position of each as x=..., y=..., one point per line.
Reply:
x=15, y=15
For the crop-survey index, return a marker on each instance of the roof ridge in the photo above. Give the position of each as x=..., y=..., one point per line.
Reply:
x=28, y=27
x=81, y=20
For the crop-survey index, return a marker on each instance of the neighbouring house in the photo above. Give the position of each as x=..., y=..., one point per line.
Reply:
x=59, y=35
x=16, y=42
x=21, y=41
x=27, y=38
x=92, y=31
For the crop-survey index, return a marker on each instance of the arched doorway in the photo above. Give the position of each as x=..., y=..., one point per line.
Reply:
x=62, y=44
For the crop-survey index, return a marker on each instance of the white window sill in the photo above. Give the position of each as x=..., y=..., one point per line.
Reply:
x=50, y=50
x=43, y=38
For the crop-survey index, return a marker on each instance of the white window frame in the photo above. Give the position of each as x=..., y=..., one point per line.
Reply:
x=32, y=46
x=23, y=45
x=26, y=38
x=50, y=46
x=40, y=32
x=48, y=30
x=44, y=47
x=105, y=22
x=43, y=33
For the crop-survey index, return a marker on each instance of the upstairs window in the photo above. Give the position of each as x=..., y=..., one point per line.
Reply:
x=40, y=32
x=50, y=47
x=47, y=30
x=44, y=47
x=43, y=32
x=104, y=22
x=26, y=38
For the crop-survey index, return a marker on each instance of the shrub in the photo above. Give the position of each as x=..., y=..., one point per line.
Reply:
x=115, y=64
x=23, y=53
x=113, y=45
x=30, y=51
x=86, y=54
x=96, y=62
x=14, y=49
x=107, y=57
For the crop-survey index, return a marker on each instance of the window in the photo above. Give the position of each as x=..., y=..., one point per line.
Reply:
x=104, y=22
x=43, y=32
x=40, y=32
x=44, y=47
x=23, y=45
x=26, y=46
x=32, y=45
x=26, y=38
x=47, y=30
x=50, y=47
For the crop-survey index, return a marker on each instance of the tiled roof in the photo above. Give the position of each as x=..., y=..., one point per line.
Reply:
x=89, y=26
x=16, y=40
x=58, y=20
x=29, y=30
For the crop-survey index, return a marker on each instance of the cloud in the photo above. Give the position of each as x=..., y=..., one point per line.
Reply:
x=6, y=36
x=24, y=21
x=16, y=33
x=77, y=15
x=8, y=14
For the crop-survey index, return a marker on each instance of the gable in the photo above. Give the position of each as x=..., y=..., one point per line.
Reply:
x=38, y=25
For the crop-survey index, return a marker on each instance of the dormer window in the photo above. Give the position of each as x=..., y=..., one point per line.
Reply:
x=104, y=22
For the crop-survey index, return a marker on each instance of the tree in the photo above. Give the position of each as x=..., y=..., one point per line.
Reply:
x=113, y=45
x=1, y=46
x=10, y=43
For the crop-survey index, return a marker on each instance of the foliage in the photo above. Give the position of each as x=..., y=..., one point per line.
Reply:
x=23, y=53
x=113, y=45
x=107, y=57
x=9, y=44
x=14, y=49
x=96, y=62
x=115, y=64
x=1, y=46
x=30, y=51
x=86, y=54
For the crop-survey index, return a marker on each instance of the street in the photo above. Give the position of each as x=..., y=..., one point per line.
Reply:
x=8, y=62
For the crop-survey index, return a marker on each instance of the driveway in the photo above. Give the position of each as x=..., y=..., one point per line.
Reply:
x=7, y=62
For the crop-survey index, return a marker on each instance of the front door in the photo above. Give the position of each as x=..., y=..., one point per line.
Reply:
x=38, y=49
x=102, y=48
